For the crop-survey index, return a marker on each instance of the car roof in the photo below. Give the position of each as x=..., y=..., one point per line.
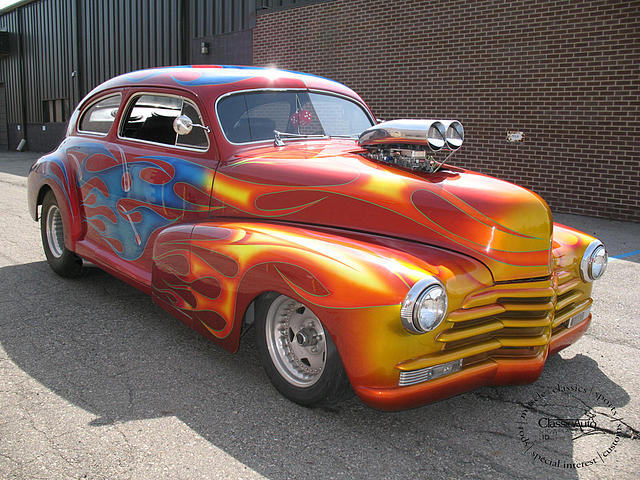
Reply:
x=215, y=80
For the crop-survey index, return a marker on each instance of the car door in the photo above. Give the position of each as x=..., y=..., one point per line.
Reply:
x=148, y=177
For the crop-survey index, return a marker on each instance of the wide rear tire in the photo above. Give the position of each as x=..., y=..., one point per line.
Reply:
x=61, y=260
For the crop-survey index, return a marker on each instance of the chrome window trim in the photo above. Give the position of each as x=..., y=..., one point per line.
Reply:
x=134, y=97
x=314, y=90
x=86, y=109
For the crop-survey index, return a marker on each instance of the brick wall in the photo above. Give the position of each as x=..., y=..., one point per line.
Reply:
x=566, y=73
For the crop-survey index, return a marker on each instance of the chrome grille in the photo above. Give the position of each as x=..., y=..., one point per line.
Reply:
x=515, y=320
x=572, y=299
x=505, y=315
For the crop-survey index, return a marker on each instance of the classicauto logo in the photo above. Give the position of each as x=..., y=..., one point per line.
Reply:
x=570, y=427
x=545, y=422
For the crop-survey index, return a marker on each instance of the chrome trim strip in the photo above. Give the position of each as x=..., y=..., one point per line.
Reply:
x=412, y=377
x=419, y=377
x=578, y=317
x=165, y=145
x=314, y=90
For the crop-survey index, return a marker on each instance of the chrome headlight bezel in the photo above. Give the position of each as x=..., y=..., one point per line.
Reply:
x=595, y=250
x=409, y=310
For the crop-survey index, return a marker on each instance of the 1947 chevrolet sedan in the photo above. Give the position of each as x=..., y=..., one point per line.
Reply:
x=241, y=196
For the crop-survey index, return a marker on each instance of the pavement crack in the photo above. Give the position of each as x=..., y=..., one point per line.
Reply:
x=634, y=433
x=501, y=469
x=497, y=433
x=620, y=343
x=51, y=441
x=15, y=462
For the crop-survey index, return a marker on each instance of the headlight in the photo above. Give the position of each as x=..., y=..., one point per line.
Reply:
x=425, y=306
x=594, y=261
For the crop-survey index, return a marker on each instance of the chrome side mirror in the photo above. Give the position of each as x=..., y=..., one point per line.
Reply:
x=182, y=125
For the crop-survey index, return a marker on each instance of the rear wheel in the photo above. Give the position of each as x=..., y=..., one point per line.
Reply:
x=298, y=355
x=61, y=260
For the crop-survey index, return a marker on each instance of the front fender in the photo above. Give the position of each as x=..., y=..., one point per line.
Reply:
x=208, y=273
x=568, y=246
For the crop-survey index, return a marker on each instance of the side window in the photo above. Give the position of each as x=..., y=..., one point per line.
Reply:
x=197, y=137
x=151, y=117
x=99, y=117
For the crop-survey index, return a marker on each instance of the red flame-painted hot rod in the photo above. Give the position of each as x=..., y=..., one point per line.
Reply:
x=241, y=196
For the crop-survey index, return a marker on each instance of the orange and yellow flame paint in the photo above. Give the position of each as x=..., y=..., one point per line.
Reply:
x=505, y=226
x=354, y=284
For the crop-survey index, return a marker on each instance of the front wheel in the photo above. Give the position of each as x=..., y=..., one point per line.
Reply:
x=298, y=355
x=61, y=260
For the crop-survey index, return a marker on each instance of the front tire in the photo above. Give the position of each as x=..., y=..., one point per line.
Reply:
x=297, y=353
x=61, y=260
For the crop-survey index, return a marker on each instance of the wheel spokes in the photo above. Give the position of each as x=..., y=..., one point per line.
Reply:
x=316, y=360
x=298, y=341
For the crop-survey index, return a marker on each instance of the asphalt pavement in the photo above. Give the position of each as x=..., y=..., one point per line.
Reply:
x=96, y=382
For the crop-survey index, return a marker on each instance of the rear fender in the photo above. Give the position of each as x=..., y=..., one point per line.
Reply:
x=55, y=171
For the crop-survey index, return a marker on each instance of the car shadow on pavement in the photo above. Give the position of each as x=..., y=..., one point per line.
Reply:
x=104, y=347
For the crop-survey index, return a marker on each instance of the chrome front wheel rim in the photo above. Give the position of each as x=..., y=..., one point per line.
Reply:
x=55, y=232
x=296, y=342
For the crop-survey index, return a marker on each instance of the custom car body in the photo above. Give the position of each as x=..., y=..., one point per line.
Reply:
x=240, y=196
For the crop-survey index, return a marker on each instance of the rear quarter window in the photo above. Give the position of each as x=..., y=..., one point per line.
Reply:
x=99, y=116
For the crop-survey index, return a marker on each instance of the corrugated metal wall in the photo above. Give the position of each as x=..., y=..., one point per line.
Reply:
x=70, y=46
x=267, y=5
x=87, y=41
x=46, y=51
x=123, y=35
x=10, y=68
x=207, y=18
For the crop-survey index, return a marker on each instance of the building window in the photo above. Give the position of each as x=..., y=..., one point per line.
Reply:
x=54, y=111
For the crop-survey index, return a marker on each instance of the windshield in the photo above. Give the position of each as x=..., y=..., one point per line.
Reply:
x=253, y=116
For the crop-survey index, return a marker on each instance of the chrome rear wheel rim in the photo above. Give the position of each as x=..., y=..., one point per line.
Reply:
x=55, y=232
x=296, y=342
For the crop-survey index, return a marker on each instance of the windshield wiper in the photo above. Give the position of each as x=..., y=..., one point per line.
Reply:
x=278, y=137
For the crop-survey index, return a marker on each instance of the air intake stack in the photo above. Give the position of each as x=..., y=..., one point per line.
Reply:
x=406, y=142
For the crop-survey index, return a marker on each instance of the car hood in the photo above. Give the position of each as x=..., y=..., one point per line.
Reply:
x=505, y=226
